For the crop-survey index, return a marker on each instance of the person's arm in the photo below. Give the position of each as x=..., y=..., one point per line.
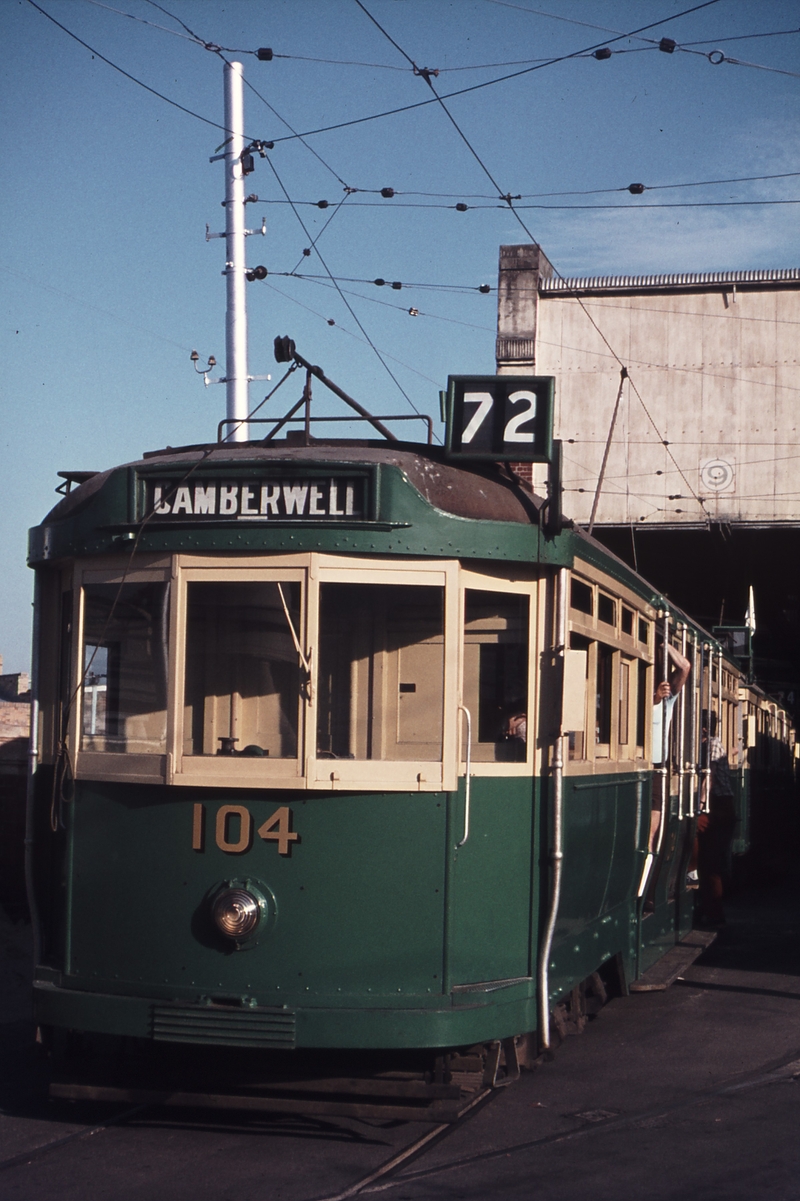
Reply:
x=680, y=673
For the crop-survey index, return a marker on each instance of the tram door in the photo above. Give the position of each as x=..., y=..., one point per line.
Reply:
x=491, y=872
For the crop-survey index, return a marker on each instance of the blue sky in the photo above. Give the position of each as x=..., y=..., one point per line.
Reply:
x=108, y=281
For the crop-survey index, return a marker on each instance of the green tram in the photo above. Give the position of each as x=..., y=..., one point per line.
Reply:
x=346, y=745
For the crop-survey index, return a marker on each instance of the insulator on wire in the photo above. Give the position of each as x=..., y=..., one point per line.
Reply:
x=397, y=285
x=602, y=53
x=264, y=54
x=322, y=204
x=667, y=45
x=635, y=189
x=379, y=283
x=484, y=288
x=306, y=252
x=387, y=193
x=256, y=273
x=461, y=207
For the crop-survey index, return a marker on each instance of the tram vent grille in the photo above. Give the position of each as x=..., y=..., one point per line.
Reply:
x=223, y=1026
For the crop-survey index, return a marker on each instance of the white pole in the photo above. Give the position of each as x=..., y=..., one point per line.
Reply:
x=235, y=266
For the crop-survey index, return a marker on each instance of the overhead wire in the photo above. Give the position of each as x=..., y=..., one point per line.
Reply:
x=475, y=87
x=550, y=208
x=220, y=52
x=344, y=299
x=427, y=77
x=343, y=329
x=140, y=83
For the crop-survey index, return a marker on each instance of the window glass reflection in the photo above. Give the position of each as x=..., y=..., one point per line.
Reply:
x=381, y=672
x=124, y=666
x=243, y=676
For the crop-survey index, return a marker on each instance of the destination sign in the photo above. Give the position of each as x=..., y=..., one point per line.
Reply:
x=500, y=417
x=336, y=498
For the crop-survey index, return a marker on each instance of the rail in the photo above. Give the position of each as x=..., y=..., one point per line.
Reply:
x=302, y=421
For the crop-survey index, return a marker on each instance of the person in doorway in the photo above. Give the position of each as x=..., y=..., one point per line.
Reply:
x=664, y=698
x=715, y=825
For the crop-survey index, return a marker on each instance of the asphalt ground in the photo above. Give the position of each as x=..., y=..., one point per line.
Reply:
x=690, y=1093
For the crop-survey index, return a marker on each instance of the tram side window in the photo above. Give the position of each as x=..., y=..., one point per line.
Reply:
x=243, y=677
x=496, y=674
x=641, y=708
x=381, y=672
x=577, y=738
x=605, y=662
x=124, y=663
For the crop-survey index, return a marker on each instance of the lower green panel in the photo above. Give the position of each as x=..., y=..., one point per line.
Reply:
x=139, y=1017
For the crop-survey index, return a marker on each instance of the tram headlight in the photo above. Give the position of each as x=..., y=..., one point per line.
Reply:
x=236, y=912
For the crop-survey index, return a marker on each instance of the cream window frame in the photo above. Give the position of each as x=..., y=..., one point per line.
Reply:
x=606, y=758
x=232, y=770
x=389, y=775
x=107, y=765
x=479, y=582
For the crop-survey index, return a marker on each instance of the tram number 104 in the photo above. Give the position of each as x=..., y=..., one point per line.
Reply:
x=234, y=828
x=500, y=417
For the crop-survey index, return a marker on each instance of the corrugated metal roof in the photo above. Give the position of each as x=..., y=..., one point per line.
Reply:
x=688, y=279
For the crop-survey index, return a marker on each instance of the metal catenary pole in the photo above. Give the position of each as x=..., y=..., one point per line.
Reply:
x=235, y=265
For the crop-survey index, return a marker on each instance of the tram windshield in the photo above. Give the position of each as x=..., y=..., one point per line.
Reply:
x=125, y=668
x=243, y=677
x=381, y=672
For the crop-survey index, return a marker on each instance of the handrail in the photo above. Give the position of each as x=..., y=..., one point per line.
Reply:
x=463, y=709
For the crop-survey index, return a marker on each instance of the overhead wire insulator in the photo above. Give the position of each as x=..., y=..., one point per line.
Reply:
x=387, y=193
x=667, y=45
x=264, y=54
x=256, y=273
x=461, y=207
x=379, y=283
x=635, y=189
x=248, y=164
x=397, y=285
x=603, y=53
x=484, y=288
x=322, y=204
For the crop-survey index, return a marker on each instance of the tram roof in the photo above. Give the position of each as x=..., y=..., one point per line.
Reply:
x=479, y=491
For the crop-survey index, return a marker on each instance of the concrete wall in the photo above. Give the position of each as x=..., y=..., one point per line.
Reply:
x=717, y=369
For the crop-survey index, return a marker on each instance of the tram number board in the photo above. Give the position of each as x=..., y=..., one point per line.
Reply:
x=284, y=498
x=500, y=417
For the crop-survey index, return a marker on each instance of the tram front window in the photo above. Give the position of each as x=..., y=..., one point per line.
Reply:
x=496, y=674
x=243, y=676
x=381, y=672
x=124, y=667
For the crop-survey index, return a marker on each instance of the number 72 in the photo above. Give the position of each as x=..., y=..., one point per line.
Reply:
x=513, y=431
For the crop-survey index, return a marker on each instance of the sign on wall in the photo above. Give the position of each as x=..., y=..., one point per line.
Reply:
x=500, y=417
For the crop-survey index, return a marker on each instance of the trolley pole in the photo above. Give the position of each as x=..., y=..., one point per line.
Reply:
x=235, y=265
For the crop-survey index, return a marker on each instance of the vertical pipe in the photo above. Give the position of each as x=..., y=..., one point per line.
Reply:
x=705, y=748
x=33, y=760
x=236, y=312
x=682, y=732
x=559, y=647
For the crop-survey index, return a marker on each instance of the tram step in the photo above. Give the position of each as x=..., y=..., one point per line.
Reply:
x=674, y=963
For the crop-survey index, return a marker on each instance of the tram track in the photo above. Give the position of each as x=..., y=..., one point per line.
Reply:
x=789, y=1070
x=33, y=1153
